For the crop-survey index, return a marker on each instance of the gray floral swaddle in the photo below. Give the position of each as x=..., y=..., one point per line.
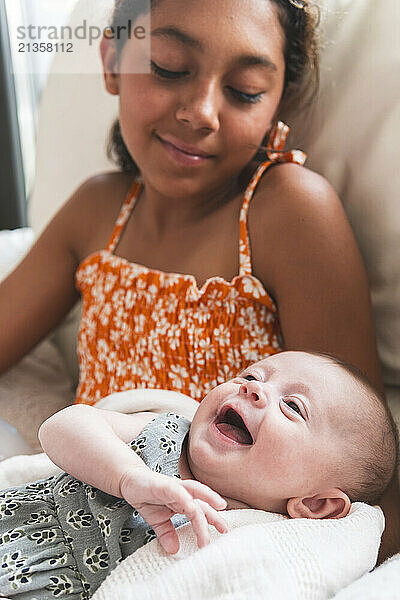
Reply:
x=61, y=537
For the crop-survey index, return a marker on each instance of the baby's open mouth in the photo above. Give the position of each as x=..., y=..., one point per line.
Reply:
x=231, y=424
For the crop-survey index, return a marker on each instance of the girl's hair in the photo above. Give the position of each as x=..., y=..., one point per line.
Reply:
x=299, y=21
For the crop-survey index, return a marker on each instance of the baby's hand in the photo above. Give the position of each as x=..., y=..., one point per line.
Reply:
x=158, y=497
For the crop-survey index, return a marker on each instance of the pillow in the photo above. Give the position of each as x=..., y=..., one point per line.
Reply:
x=383, y=582
x=13, y=246
x=76, y=113
x=352, y=138
x=11, y=442
x=34, y=389
x=77, y=110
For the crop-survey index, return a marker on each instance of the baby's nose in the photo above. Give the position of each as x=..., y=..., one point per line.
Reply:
x=251, y=390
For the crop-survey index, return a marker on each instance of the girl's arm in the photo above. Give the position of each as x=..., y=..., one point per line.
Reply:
x=37, y=294
x=90, y=444
x=41, y=290
x=305, y=252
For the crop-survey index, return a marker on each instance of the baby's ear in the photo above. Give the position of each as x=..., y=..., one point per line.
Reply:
x=331, y=504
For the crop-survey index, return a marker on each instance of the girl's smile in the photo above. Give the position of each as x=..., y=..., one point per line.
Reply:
x=183, y=154
x=196, y=121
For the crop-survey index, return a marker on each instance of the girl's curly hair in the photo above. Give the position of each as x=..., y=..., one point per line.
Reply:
x=299, y=20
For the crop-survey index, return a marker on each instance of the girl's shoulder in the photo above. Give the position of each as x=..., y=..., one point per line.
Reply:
x=294, y=211
x=289, y=194
x=94, y=208
x=297, y=188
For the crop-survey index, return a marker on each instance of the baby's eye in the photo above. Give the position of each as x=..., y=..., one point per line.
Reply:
x=250, y=377
x=293, y=405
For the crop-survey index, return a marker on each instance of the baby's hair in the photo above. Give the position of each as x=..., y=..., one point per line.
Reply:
x=372, y=447
x=299, y=21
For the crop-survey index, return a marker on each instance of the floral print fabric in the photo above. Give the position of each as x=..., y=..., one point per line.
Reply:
x=60, y=537
x=143, y=328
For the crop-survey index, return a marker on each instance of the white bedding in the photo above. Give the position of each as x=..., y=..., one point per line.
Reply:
x=381, y=584
x=264, y=555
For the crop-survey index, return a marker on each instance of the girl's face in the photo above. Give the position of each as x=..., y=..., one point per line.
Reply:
x=217, y=74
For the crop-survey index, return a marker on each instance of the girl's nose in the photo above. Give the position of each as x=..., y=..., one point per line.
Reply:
x=200, y=107
x=253, y=392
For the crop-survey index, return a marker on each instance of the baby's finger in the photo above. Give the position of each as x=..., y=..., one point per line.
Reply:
x=167, y=536
x=203, y=492
x=171, y=492
x=199, y=524
x=156, y=512
x=214, y=517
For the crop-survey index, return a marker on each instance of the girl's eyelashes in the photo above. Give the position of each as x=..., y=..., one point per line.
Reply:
x=293, y=404
x=247, y=98
x=173, y=75
x=165, y=73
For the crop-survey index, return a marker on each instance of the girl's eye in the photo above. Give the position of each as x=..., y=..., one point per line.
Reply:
x=249, y=377
x=165, y=74
x=293, y=405
x=246, y=98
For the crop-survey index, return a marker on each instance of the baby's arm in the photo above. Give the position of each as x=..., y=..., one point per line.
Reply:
x=90, y=444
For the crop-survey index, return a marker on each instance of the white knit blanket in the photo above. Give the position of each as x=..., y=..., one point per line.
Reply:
x=264, y=555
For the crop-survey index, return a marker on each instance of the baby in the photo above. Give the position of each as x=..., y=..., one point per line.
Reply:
x=297, y=433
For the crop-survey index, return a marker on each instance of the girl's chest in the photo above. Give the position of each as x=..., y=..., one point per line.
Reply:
x=204, y=250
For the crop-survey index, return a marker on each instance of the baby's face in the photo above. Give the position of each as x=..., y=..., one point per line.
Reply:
x=273, y=432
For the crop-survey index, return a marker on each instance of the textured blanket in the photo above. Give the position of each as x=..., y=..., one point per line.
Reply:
x=264, y=555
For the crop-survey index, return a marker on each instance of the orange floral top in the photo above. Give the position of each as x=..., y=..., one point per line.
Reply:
x=143, y=328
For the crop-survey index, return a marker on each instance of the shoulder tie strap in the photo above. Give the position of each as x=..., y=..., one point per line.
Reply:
x=124, y=214
x=275, y=154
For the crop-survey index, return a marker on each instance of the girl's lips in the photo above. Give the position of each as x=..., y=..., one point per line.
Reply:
x=185, y=147
x=183, y=157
